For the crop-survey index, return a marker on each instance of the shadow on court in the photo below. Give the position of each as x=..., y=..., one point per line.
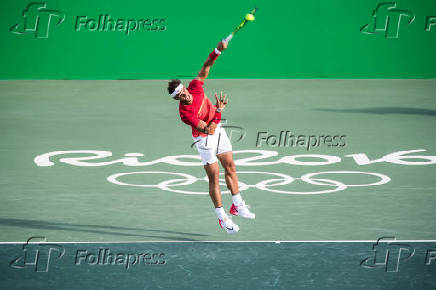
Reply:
x=384, y=110
x=98, y=229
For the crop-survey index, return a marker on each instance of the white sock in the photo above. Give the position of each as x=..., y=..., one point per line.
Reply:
x=237, y=199
x=220, y=213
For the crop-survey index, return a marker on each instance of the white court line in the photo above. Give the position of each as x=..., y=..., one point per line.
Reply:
x=277, y=242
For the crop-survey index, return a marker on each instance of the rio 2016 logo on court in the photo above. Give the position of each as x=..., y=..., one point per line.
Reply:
x=276, y=182
x=388, y=19
x=38, y=20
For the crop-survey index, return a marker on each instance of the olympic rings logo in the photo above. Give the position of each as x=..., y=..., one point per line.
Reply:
x=271, y=184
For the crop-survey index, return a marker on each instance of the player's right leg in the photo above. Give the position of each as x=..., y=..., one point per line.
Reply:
x=212, y=171
x=210, y=162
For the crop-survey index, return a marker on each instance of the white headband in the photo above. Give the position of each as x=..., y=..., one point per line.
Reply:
x=177, y=90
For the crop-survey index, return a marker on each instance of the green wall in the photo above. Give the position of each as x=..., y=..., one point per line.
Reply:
x=289, y=39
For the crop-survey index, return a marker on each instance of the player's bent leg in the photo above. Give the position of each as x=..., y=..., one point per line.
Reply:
x=238, y=206
x=212, y=171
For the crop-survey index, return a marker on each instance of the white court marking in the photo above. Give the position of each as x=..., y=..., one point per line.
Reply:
x=264, y=185
x=276, y=242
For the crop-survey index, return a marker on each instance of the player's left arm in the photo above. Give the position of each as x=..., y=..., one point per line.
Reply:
x=204, y=72
x=221, y=103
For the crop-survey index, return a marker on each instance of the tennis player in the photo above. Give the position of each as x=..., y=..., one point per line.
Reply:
x=211, y=139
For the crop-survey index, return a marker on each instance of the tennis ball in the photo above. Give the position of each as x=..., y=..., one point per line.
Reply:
x=249, y=17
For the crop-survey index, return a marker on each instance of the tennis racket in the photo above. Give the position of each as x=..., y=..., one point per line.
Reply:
x=243, y=23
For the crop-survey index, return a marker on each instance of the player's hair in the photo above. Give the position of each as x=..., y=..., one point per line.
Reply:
x=172, y=85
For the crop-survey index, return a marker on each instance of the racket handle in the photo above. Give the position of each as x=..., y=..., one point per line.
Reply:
x=228, y=38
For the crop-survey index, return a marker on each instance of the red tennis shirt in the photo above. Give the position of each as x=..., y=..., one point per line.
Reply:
x=200, y=109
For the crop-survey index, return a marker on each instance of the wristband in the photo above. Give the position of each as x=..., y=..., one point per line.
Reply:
x=217, y=118
x=214, y=54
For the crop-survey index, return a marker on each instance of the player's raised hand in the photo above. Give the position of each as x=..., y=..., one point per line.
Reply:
x=221, y=102
x=222, y=45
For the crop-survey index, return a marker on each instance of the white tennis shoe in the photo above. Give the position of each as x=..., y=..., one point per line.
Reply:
x=228, y=225
x=242, y=210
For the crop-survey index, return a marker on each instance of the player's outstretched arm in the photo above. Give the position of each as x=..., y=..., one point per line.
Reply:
x=204, y=72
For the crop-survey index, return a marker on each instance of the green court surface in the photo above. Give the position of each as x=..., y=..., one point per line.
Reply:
x=65, y=202
x=100, y=179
